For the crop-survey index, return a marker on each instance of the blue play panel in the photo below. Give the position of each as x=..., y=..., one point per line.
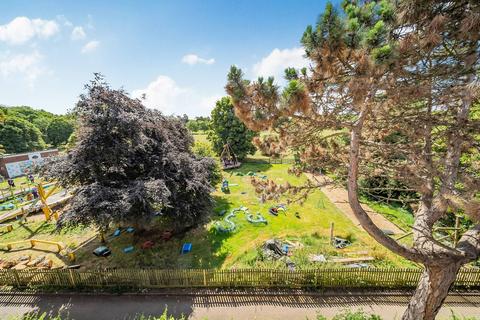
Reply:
x=186, y=248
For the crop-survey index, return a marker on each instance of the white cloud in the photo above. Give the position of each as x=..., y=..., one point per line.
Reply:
x=275, y=63
x=23, y=29
x=208, y=103
x=63, y=20
x=167, y=96
x=28, y=65
x=78, y=33
x=90, y=46
x=193, y=59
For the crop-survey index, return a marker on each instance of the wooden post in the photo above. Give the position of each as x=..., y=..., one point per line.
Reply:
x=71, y=256
x=457, y=227
x=72, y=278
x=17, y=278
x=204, y=278
x=24, y=217
x=102, y=237
x=331, y=232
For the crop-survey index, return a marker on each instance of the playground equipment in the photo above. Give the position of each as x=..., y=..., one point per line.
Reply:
x=147, y=244
x=229, y=159
x=187, y=247
x=102, y=251
x=34, y=242
x=7, y=206
x=128, y=249
x=258, y=219
x=231, y=225
x=47, y=211
x=8, y=226
x=276, y=209
x=32, y=204
x=225, y=188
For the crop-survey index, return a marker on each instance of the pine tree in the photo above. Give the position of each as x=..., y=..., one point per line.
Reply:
x=390, y=93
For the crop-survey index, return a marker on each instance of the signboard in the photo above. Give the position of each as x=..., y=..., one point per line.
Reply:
x=19, y=168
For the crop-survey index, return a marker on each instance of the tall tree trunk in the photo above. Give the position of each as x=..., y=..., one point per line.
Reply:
x=431, y=291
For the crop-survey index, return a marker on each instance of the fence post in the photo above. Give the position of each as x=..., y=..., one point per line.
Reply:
x=331, y=233
x=72, y=278
x=204, y=278
x=17, y=277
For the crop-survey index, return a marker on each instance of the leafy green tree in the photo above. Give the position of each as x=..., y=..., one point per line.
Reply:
x=42, y=124
x=203, y=149
x=19, y=135
x=58, y=131
x=225, y=127
x=198, y=124
x=72, y=141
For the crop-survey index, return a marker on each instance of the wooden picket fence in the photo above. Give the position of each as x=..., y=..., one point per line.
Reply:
x=235, y=278
x=270, y=160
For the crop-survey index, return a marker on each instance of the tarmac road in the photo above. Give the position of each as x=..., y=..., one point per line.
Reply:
x=224, y=305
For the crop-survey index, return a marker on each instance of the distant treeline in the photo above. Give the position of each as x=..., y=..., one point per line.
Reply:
x=198, y=124
x=24, y=129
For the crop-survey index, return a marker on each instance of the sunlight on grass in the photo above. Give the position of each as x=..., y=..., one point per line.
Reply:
x=212, y=249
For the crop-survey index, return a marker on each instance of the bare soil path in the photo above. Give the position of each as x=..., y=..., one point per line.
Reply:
x=339, y=196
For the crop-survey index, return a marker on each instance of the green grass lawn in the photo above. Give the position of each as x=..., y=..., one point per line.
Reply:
x=200, y=137
x=239, y=249
x=212, y=249
x=398, y=215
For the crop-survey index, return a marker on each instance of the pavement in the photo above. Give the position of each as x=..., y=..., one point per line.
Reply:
x=224, y=305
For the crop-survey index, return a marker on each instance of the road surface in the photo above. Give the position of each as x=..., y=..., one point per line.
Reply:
x=236, y=306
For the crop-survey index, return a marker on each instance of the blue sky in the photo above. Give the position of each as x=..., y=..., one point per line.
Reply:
x=176, y=52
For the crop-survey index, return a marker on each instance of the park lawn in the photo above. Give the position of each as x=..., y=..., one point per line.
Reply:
x=396, y=214
x=200, y=137
x=211, y=249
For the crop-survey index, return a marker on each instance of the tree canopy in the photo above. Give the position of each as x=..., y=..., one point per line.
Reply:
x=225, y=128
x=131, y=163
x=390, y=93
x=18, y=135
x=198, y=124
x=58, y=131
x=45, y=122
